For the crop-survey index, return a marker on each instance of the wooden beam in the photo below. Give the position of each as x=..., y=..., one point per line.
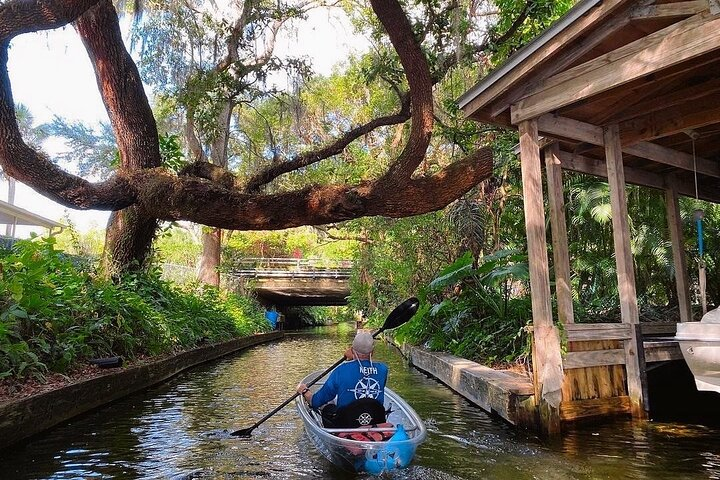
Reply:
x=662, y=351
x=670, y=46
x=547, y=361
x=621, y=229
x=564, y=127
x=535, y=224
x=542, y=54
x=594, y=358
x=563, y=60
x=665, y=10
x=666, y=329
x=689, y=115
x=624, y=263
x=673, y=158
x=592, y=332
x=561, y=255
x=682, y=283
x=649, y=99
x=591, y=166
x=642, y=368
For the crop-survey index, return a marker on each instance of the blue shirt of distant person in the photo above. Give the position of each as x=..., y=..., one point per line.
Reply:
x=359, y=377
x=272, y=317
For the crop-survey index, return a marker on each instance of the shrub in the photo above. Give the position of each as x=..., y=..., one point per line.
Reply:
x=55, y=314
x=476, y=313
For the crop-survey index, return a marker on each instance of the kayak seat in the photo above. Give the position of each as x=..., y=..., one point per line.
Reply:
x=359, y=413
x=370, y=436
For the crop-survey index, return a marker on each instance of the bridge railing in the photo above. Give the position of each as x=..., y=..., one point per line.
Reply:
x=291, y=268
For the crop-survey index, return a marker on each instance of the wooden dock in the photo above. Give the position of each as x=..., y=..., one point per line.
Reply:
x=595, y=372
x=594, y=383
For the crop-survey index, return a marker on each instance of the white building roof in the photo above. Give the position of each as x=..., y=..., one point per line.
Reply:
x=14, y=215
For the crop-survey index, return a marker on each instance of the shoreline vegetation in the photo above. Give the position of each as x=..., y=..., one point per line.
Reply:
x=57, y=313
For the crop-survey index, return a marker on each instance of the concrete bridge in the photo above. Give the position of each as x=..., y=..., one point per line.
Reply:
x=290, y=282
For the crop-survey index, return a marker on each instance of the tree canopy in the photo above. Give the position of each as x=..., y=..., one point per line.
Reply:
x=205, y=193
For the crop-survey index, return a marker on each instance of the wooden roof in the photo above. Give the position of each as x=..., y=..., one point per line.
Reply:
x=650, y=66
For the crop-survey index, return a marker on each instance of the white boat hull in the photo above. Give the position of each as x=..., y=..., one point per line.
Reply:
x=366, y=456
x=700, y=346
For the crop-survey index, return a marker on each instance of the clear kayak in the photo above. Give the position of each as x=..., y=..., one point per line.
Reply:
x=404, y=431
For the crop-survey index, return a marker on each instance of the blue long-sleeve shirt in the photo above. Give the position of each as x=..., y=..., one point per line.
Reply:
x=352, y=380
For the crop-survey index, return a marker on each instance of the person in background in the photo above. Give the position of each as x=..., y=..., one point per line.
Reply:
x=272, y=317
x=354, y=386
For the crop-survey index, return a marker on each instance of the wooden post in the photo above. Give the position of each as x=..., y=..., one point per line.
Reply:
x=624, y=262
x=561, y=257
x=642, y=367
x=547, y=362
x=682, y=284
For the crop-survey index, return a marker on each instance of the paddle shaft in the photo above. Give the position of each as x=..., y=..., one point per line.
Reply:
x=247, y=431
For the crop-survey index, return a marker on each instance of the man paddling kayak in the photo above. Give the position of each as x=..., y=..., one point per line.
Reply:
x=355, y=387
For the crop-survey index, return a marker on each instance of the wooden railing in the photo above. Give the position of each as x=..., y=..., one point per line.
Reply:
x=291, y=268
x=595, y=380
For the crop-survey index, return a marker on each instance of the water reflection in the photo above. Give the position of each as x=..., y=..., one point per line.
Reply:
x=180, y=431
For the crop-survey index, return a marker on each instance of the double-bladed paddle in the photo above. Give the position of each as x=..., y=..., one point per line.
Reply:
x=401, y=314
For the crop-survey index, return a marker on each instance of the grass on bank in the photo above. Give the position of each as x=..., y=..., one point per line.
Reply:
x=56, y=313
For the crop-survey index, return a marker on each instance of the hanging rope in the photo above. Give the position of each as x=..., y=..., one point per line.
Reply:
x=698, y=215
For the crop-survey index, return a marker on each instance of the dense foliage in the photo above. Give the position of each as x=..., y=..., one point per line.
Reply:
x=54, y=315
x=475, y=312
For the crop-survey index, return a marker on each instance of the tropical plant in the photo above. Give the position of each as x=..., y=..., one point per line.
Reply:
x=55, y=314
x=476, y=313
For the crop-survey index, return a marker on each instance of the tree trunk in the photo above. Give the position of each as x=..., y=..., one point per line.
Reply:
x=128, y=239
x=130, y=231
x=208, y=271
x=212, y=239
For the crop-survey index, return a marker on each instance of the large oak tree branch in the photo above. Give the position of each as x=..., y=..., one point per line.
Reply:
x=417, y=73
x=120, y=87
x=179, y=198
x=26, y=165
x=130, y=231
x=157, y=193
x=24, y=16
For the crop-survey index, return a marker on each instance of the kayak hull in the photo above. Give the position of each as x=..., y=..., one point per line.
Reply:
x=367, y=456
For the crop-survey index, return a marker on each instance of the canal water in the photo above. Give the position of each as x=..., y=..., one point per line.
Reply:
x=179, y=431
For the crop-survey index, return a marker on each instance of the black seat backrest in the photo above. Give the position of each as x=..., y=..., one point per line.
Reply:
x=360, y=413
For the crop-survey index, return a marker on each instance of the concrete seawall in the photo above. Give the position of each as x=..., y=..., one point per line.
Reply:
x=505, y=393
x=28, y=416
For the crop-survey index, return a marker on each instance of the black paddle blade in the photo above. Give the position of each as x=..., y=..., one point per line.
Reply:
x=243, y=433
x=401, y=314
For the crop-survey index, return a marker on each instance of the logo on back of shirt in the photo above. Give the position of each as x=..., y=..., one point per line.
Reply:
x=367, y=371
x=366, y=388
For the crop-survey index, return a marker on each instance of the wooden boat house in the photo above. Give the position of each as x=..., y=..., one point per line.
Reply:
x=628, y=90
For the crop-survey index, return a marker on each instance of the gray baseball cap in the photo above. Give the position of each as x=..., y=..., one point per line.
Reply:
x=363, y=343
